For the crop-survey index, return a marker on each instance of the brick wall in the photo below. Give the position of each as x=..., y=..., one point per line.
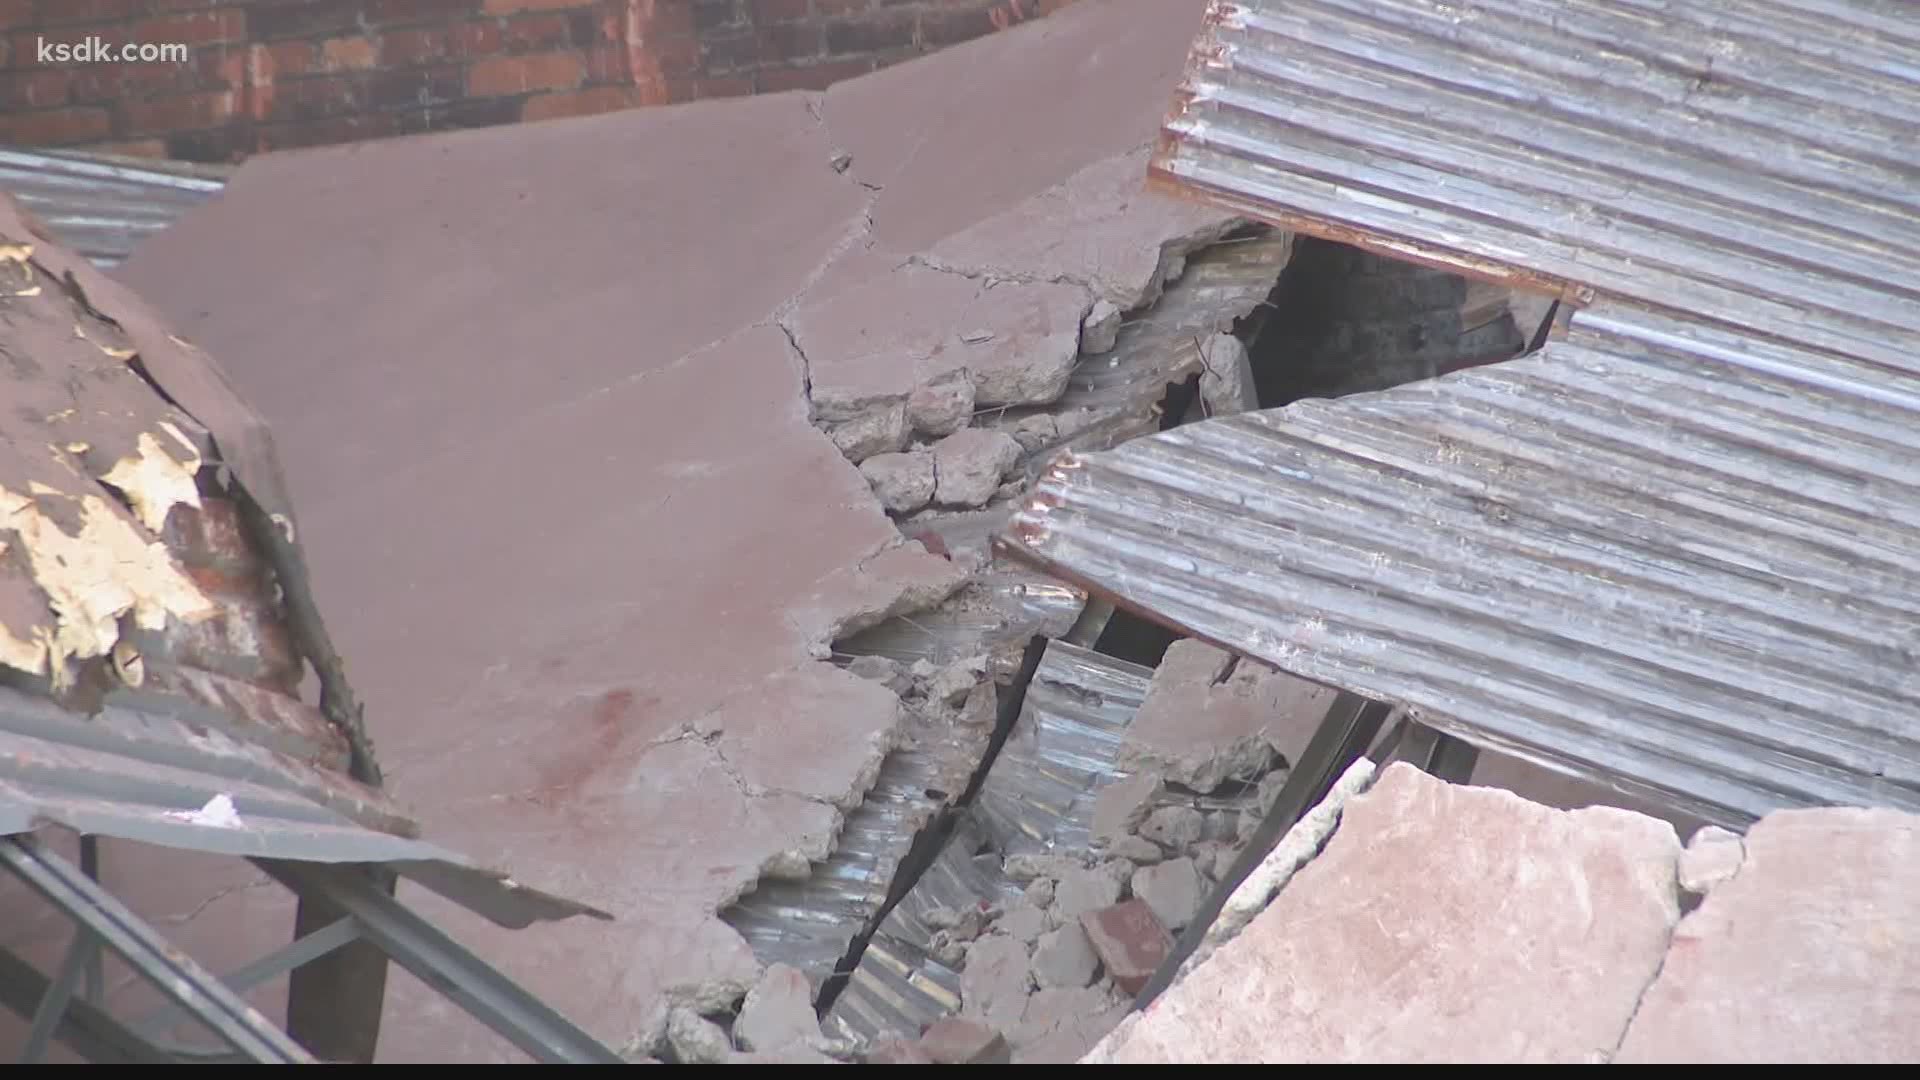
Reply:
x=269, y=74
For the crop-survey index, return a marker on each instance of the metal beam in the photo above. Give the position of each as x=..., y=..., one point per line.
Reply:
x=53, y=1004
x=87, y=1030
x=173, y=972
x=445, y=965
x=302, y=951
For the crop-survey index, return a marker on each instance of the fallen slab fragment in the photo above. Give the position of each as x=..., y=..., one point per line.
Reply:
x=1100, y=228
x=1209, y=718
x=1441, y=923
x=1808, y=952
x=778, y=1013
x=968, y=465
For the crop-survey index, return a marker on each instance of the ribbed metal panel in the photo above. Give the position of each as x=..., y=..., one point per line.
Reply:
x=1756, y=163
x=1659, y=555
x=99, y=205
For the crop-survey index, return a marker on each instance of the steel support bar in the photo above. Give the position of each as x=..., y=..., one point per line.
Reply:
x=53, y=1005
x=284, y=959
x=1349, y=728
x=443, y=964
x=87, y=1030
x=176, y=975
x=1442, y=756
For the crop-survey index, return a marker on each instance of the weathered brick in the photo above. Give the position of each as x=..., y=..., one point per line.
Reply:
x=285, y=58
x=61, y=12
x=312, y=18
x=468, y=113
x=34, y=88
x=416, y=87
x=513, y=7
x=812, y=76
x=406, y=12
x=713, y=14
x=55, y=127
x=317, y=97
x=182, y=112
x=782, y=43
x=773, y=11
x=949, y=26
x=518, y=74
x=537, y=33
x=586, y=102
x=356, y=53
x=890, y=30
x=720, y=53
x=419, y=45
x=1129, y=940
x=194, y=28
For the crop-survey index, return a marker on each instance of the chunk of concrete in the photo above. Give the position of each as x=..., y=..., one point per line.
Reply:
x=1120, y=807
x=778, y=1012
x=1226, y=376
x=1025, y=867
x=1033, y=432
x=1130, y=941
x=1136, y=849
x=1064, y=959
x=1174, y=827
x=882, y=338
x=1098, y=227
x=952, y=683
x=1209, y=718
x=880, y=430
x=695, y=1039
x=1713, y=855
x=1100, y=330
x=996, y=982
x=1172, y=890
x=1081, y=891
x=902, y=482
x=943, y=405
x=1492, y=930
x=956, y=1040
x=968, y=465
x=1040, y=893
x=1023, y=920
x=1808, y=954
x=1061, y=1024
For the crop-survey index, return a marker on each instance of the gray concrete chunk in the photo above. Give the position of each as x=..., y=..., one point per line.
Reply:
x=902, y=482
x=942, y=405
x=1064, y=959
x=968, y=466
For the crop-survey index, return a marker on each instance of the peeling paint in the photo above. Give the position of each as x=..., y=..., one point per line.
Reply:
x=91, y=579
x=153, y=481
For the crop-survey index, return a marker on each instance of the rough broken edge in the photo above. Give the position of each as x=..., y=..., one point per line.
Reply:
x=1297, y=848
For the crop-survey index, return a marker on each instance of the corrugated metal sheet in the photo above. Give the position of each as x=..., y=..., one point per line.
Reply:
x=102, y=205
x=1657, y=554
x=146, y=776
x=1751, y=163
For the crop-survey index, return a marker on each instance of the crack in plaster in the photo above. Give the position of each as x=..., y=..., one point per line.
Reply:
x=1666, y=952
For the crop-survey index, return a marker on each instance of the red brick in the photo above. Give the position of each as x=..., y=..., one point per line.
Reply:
x=535, y=33
x=812, y=76
x=421, y=45
x=213, y=68
x=512, y=7
x=64, y=12
x=285, y=59
x=194, y=28
x=721, y=87
x=772, y=11
x=34, y=87
x=55, y=127
x=356, y=53
x=519, y=74
x=711, y=15
x=478, y=37
x=183, y=112
x=596, y=99
x=956, y=1040
x=316, y=97
x=1130, y=941
x=877, y=33
x=415, y=87
x=775, y=44
x=896, y=1052
x=403, y=12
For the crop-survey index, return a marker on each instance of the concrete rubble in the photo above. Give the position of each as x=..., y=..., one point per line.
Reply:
x=1796, y=953
x=1210, y=718
x=583, y=699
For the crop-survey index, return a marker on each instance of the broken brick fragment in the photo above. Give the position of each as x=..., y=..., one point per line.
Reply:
x=959, y=1041
x=1130, y=941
